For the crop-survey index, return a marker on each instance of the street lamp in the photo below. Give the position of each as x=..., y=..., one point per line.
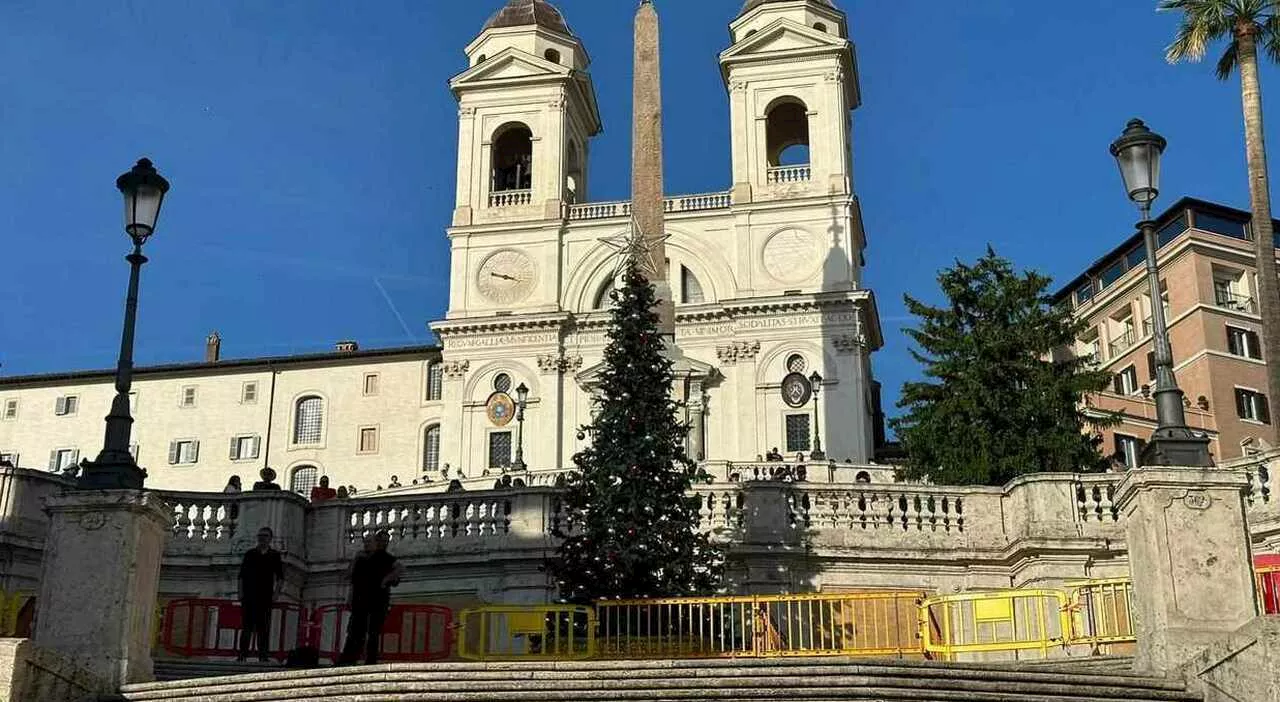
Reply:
x=522, y=399
x=1173, y=443
x=115, y=469
x=816, y=381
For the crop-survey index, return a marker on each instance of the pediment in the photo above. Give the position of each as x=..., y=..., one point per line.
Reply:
x=510, y=64
x=782, y=36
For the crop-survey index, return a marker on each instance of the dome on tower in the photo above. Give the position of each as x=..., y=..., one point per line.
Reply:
x=753, y=4
x=523, y=13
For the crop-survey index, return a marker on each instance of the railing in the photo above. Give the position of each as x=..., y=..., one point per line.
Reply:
x=879, y=508
x=210, y=628
x=410, y=633
x=1122, y=343
x=854, y=624
x=510, y=198
x=720, y=510
x=437, y=517
x=545, y=632
x=203, y=517
x=985, y=622
x=788, y=174
x=1232, y=301
x=1102, y=614
x=622, y=208
x=1095, y=498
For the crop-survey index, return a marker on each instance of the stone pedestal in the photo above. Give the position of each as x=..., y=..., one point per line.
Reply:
x=101, y=569
x=1190, y=560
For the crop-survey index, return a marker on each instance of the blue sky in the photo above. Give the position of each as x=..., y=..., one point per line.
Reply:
x=311, y=150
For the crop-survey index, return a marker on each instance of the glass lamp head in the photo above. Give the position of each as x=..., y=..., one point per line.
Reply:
x=1138, y=152
x=143, y=189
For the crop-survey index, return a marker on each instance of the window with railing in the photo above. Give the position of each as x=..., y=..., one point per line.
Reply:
x=1226, y=297
x=1123, y=341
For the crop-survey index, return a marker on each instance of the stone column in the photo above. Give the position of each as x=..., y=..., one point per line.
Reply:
x=98, y=584
x=1189, y=558
x=697, y=422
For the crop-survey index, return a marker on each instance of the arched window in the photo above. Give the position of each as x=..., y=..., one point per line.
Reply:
x=552, y=55
x=820, y=26
x=431, y=448
x=435, y=382
x=690, y=289
x=788, y=133
x=513, y=158
x=480, y=59
x=796, y=363
x=604, y=298
x=862, y=477
x=502, y=382
x=303, y=479
x=573, y=174
x=308, y=420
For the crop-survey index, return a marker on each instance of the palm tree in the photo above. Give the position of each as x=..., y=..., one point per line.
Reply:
x=1246, y=24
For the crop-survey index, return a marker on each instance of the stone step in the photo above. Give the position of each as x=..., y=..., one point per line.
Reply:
x=798, y=679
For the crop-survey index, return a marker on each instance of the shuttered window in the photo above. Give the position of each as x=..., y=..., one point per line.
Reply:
x=184, y=451
x=1252, y=405
x=245, y=447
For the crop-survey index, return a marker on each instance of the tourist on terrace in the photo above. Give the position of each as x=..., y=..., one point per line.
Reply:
x=323, y=492
x=373, y=573
x=233, y=485
x=261, y=577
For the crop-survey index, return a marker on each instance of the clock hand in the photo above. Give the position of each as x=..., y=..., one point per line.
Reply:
x=500, y=275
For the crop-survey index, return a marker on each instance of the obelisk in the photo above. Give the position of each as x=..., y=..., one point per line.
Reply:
x=647, y=197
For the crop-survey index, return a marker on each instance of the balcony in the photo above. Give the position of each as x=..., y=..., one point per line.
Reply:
x=622, y=208
x=788, y=174
x=1231, y=301
x=510, y=198
x=1122, y=343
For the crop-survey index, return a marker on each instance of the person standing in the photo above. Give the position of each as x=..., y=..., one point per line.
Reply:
x=323, y=492
x=261, y=577
x=373, y=573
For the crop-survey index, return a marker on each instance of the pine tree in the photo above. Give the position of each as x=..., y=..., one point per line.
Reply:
x=1002, y=399
x=631, y=524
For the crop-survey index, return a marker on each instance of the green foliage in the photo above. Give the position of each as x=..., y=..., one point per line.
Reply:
x=1207, y=21
x=631, y=526
x=1002, y=398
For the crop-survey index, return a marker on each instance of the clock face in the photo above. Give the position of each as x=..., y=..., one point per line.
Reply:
x=506, y=277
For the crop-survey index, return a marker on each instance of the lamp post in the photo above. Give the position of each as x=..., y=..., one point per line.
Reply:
x=522, y=399
x=1173, y=443
x=816, y=381
x=115, y=469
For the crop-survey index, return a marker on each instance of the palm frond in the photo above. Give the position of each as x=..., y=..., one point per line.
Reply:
x=1207, y=21
x=1227, y=63
x=1270, y=38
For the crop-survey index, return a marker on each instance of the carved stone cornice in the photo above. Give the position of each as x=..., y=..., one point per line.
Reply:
x=552, y=363
x=850, y=343
x=730, y=354
x=455, y=369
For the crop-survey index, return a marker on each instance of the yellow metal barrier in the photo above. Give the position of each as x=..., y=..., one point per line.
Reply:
x=847, y=624
x=1004, y=620
x=514, y=632
x=1102, y=614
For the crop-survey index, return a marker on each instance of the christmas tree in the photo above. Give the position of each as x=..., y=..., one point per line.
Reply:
x=632, y=525
x=1003, y=396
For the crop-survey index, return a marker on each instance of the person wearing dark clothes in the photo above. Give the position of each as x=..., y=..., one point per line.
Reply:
x=261, y=576
x=373, y=573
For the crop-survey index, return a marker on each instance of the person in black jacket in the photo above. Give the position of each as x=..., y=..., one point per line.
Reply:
x=373, y=573
x=261, y=576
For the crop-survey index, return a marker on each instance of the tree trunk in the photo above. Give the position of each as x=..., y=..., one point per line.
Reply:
x=1268, y=301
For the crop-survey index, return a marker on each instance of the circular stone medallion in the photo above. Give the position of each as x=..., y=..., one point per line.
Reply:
x=791, y=255
x=500, y=409
x=796, y=390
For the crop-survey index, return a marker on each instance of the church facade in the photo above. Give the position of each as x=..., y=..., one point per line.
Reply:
x=766, y=277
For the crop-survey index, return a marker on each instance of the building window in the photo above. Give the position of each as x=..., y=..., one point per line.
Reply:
x=64, y=458
x=552, y=55
x=787, y=133
x=431, y=448
x=1252, y=405
x=1244, y=342
x=499, y=449
x=245, y=447
x=796, y=363
x=303, y=479
x=9, y=457
x=370, y=384
x=435, y=382
x=188, y=398
x=249, y=393
x=184, y=451
x=1126, y=381
x=11, y=409
x=1128, y=450
x=368, y=440
x=65, y=405
x=308, y=420
x=512, y=158
x=502, y=382
x=798, y=433
x=820, y=26
x=690, y=289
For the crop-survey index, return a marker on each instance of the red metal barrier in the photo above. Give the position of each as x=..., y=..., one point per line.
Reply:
x=211, y=628
x=1267, y=570
x=412, y=632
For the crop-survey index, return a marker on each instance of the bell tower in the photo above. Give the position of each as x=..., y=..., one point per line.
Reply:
x=792, y=79
x=527, y=112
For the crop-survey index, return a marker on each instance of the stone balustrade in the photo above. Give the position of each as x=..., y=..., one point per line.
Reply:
x=788, y=174
x=672, y=205
x=510, y=198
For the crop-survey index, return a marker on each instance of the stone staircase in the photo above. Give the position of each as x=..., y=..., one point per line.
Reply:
x=728, y=680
